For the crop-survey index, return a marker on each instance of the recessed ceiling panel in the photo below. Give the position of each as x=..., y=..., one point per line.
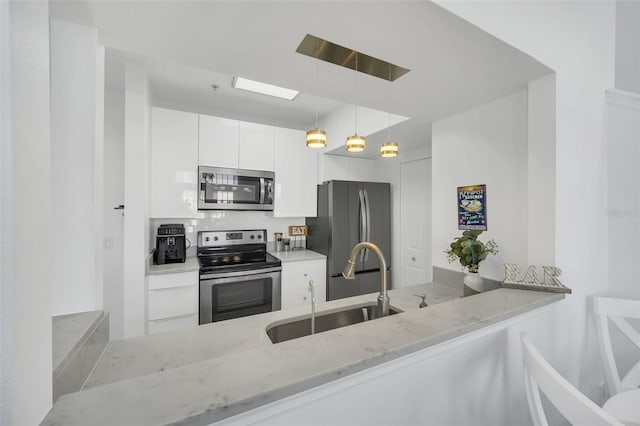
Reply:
x=339, y=55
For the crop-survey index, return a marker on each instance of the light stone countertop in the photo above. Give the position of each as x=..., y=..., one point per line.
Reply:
x=297, y=255
x=208, y=373
x=192, y=264
x=70, y=331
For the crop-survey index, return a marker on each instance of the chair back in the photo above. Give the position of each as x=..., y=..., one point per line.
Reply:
x=571, y=403
x=615, y=311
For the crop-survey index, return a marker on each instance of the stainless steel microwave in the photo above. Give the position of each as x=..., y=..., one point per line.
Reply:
x=234, y=189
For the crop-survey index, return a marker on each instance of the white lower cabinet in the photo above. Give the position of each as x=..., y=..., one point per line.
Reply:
x=168, y=324
x=295, y=282
x=172, y=301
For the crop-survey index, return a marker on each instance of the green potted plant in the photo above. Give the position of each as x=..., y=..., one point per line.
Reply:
x=470, y=251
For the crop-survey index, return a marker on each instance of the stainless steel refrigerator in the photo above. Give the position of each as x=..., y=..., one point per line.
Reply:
x=348, y=213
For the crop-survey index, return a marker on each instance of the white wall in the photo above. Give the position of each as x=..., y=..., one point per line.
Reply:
x=628, y=45
x=26, y=215
x=486, y=145
x=541, y=176
x=5, y=219
x=336, y=167
x=341, y=123
x=114, y=219
x=98, y=173
x=136, y=196
x=577, y=40
x=75, y=152
x=623, y=196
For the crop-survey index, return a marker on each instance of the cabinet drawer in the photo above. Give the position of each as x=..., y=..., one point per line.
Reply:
x=296, y=297
x=182, y=279
x=173, y=302
x=168, y=324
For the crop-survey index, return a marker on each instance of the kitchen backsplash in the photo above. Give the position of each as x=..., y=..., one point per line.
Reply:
x=229, y=220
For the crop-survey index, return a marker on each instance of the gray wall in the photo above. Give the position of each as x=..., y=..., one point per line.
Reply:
x=628, y=45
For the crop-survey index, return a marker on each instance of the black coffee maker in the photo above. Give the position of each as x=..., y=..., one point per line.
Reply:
x=170, y=244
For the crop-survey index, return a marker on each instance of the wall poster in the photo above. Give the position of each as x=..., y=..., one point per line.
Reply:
x=472, y=207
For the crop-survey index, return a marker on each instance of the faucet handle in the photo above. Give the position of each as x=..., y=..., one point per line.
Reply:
x=423, y=303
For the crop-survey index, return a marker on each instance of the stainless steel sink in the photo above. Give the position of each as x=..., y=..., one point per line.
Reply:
x=301, y=327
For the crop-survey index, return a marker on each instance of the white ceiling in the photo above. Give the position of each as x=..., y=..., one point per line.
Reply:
x=189, y=45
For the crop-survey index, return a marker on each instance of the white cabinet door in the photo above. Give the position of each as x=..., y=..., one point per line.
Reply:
x=218, y=145
x=256, y=146
x=174, y=162
x=172, y=301
x=296, y=169
x=295, y=282
x=175, y=323
x=179, y=279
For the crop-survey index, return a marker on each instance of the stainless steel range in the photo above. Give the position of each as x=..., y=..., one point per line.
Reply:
x=237, y=276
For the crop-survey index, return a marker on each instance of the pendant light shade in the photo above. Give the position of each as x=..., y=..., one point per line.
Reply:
x=356, y=143
x=316, y=138
x=389, y=149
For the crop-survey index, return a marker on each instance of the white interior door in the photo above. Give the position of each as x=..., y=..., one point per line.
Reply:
x=415, y=213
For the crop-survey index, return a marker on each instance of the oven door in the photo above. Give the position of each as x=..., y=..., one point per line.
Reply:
x=239, y=294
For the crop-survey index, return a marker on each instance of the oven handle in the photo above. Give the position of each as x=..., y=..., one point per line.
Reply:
x=240, y=275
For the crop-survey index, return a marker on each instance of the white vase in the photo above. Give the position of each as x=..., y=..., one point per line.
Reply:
x=473, y=284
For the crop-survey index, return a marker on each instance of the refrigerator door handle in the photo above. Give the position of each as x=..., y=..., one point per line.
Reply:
x=367, y=229
x=363, y=224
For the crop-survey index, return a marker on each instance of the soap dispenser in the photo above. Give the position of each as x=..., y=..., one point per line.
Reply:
x=423, y=303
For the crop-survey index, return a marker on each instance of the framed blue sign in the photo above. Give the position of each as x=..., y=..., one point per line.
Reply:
x=472, y=207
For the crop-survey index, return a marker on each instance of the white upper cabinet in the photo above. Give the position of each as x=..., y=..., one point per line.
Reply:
x=174, y=162
x=256, y=146
x=296, y=168
x=219, y=142
x=182, y=141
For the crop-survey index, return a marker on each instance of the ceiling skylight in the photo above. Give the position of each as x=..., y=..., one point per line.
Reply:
x=264, y=88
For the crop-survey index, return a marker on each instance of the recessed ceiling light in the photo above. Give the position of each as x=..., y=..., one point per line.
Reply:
x=264, y=88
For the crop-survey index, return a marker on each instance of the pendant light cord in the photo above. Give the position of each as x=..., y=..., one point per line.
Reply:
x=389, y=112
x=356, y=132
x=317, y=52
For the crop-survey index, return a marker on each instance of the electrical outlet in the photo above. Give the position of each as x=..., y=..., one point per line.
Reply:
x=108, y=244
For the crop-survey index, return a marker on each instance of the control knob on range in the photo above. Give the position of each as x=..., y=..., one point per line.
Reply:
x=215, y=238
x=252, y=236
x=206, y=238
x=259, y=236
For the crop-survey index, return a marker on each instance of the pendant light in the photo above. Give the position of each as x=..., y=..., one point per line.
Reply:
x=316, y=138
x=389, y=148
x=356, y=143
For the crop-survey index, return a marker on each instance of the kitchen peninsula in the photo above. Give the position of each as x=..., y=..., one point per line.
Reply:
x=205, y=374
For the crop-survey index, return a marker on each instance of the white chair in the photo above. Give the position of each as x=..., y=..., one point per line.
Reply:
x=616, y=310
x=571, y=403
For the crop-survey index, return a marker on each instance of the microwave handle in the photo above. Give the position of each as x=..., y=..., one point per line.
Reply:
x=261, y=190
